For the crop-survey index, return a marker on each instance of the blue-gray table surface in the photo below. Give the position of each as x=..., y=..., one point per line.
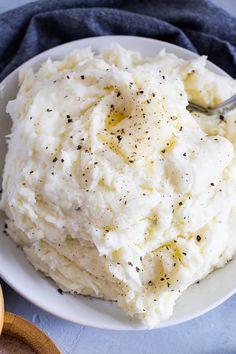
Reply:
x=212, y=333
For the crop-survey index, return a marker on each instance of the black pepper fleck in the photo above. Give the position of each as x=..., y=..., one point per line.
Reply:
x=222, y=118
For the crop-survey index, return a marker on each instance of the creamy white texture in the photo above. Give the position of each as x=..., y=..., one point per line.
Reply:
x=111, y=187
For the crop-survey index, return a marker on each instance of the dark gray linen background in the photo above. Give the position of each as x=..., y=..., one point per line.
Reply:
x=197, y=25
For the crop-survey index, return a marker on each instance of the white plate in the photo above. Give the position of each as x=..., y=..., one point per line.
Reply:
x=21, y=276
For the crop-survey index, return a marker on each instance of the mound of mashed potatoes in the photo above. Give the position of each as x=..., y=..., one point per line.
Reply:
x=112, y=187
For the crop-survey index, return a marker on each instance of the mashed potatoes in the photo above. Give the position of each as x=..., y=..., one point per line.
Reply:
x=111, y=187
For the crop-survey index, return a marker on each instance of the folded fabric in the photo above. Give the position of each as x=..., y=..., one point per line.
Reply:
x=196, y=25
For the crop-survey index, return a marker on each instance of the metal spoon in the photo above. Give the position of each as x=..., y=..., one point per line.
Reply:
x=221, y=108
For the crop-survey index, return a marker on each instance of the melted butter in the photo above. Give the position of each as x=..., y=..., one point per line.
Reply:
x=170, y=145
x=109, y=88
x=178, y=255
x=105, y=186
x=176, y=251
x=113, y=119
x=145, y=186
x=116, y=255
x=108, y=140
x=109, y=228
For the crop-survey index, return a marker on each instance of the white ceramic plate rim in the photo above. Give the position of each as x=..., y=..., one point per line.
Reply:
x=109, y=321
